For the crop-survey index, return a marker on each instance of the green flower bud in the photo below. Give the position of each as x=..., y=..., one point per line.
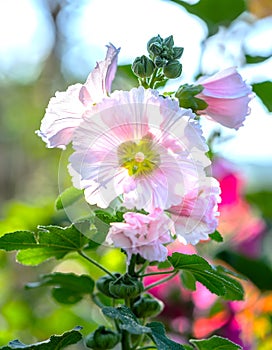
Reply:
x=143, y=67
x=186, y=96
x=157, y=40
x=155, y=49
x=103, y=282
x=126, y=287
x=172, y=69
x=169, y=42
x=160, y=62
x=147, y=306
x=177, y=52
x=102, y=339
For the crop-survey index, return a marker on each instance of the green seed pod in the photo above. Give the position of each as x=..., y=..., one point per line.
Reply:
x=147, y=306
x=103, y=282
x=126, y=287
x=102, y=339
x=143, y=67
x=172, y=69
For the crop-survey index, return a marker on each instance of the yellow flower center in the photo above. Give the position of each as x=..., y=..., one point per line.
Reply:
x=139, y=158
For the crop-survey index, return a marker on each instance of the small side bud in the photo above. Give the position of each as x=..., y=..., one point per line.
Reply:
x=169, y=42
x=102, y=284
x=126, y=287
x=143, y=67
x=177, y=52
x=172, y=69
x=102, y=339
x=147, y=306
x=157, y=40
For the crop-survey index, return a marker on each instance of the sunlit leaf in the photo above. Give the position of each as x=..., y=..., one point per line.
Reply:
x=215, y=343
x=68, y=287
x=48, y=242
x=264, y=91
x=218, y=282
x=68, y=197
x=215, y=12
x=56, y=342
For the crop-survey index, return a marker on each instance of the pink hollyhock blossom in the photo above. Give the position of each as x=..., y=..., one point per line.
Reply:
x=66, y=110
x=140, y=147
x=143, y=234
x=227, y=96
x=196, y=216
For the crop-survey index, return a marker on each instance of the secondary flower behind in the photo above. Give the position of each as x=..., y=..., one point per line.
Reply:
x=227, y=96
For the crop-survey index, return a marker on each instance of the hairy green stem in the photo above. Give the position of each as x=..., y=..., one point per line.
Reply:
x=161, y=281
x=92, y=261
x=158, y=273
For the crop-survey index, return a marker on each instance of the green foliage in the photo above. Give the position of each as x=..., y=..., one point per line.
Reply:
x=215, y=343
x=56, y=342
x=68, y=197
x=263, y=199
x=214, y=12
x=48, y=242
x=255, y=59
x=68, y=287
x=128, y=320
x=257, y=270
x=264, y=91
x=218, y=282
x=216, y=236
x=160, y=339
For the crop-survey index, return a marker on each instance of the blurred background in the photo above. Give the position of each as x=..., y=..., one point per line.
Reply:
x=47, y=45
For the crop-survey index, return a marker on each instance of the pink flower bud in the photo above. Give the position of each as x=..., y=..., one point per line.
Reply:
x=227, y=96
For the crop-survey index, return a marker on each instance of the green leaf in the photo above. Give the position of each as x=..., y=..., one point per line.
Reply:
x=215, y=343
x=128, y=320
x=218, y=282
x=257, y=270
x=264, y=91
x=216, y=236
x=261, y=200
x=56, y=342
x=215, y=12
x=48, y=242
x=188, y=280
x=68, y=197
x=255, y=59
x=68, y=287
x=124, y=78
x=160, y=339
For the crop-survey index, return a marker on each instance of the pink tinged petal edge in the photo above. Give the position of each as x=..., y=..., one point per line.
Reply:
x=227, y=96
x=197, y=215
x=143, y=234
x=65, y=111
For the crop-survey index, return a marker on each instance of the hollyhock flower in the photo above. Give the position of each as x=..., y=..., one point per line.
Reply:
x=143, y=234
x=141, y=147
x=66, y=110
x=227, y=96
x=197, y=216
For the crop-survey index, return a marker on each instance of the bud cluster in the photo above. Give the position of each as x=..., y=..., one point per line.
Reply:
x=163, y=60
